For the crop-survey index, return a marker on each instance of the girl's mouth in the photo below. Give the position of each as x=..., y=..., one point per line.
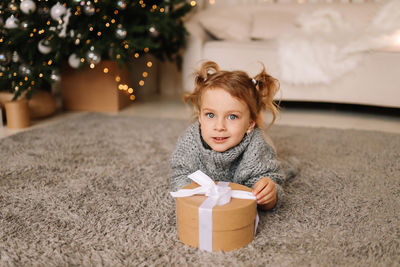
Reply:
x=219, y=139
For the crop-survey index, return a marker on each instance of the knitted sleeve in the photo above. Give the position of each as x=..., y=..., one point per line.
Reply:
x=259, y=160
x=184, y=160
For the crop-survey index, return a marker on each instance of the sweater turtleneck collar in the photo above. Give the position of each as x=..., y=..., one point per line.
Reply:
x=221, y=159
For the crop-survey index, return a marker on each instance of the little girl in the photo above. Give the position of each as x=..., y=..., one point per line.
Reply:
x=227, y=141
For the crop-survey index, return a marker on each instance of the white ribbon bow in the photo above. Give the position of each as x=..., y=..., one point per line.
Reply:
x=218, y=195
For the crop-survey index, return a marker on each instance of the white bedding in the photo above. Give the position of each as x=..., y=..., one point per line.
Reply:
x=326, y=46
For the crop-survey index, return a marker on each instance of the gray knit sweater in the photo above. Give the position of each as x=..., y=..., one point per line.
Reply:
x=246, y=163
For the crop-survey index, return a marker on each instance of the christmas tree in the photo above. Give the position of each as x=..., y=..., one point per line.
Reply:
x=38, y=37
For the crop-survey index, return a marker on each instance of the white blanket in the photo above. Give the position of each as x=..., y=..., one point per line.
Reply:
x=327, y=47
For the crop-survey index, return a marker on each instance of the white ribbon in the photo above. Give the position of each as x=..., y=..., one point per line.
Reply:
x=218, y=195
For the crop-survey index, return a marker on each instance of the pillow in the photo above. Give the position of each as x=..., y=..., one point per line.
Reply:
x=272, y=24
x=227, y=24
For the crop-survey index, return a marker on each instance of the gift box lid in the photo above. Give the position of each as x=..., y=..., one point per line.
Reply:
x=238, y=213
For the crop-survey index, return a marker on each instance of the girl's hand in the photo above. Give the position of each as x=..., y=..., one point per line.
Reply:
x=265, y=192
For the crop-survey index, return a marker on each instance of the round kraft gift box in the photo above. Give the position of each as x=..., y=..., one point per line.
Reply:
x=233, y=223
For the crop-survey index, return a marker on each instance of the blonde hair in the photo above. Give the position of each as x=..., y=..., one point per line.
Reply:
x=258, y=92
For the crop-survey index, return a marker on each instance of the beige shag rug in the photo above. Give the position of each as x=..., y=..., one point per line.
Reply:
x=94, y=191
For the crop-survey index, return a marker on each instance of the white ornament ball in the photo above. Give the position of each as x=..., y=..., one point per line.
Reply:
x=11, y=22
x=27, y=6
x=55, y=76
x=92, y=57
x=74, y=61
x=120, y=33
x=25, y=70
x=89, y=9
x=15, y=57
x=57, y=11
x=43, y=47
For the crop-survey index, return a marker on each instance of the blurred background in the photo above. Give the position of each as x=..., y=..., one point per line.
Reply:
x=337, y=61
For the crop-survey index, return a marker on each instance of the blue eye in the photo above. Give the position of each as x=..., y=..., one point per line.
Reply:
x=232, y=117
x=210, y=115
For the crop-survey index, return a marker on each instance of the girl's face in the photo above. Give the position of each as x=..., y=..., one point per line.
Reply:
x=223, y=119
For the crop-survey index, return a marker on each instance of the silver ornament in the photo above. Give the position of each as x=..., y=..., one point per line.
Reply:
x=15, y=57
x=44, y=47
x=11, y=22
x=121, y=4
x=13, y=7
x=55, y=76
x=57, y=11
x=27, y=6
x=25, y=24
x=74, y=61
x=92, y=57
x=153, y=31
x=5, y=58
x=25, y=70
x=89, y=8
x=120, y=33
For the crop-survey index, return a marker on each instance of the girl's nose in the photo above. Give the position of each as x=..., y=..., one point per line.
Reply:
x=219, y=125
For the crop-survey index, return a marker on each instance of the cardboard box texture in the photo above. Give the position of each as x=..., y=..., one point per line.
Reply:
x=233, y=223
x=93, y=90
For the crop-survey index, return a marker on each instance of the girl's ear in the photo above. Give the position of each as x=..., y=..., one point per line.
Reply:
x=251, y=126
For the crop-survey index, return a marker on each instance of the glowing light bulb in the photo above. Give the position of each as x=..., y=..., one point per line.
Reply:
x=105, y=70
x=193, y=3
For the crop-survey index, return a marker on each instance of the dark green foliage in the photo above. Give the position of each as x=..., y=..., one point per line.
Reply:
x=149, y=26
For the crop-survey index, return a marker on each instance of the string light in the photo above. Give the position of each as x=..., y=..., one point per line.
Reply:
x=105, y=70
x=91, y=65
x=136, y=55
x=193, y=3
x=130, y=90
x=132, y=97
x=144, y=74
x=149, y=64
x=117, y=79
x=141, y=82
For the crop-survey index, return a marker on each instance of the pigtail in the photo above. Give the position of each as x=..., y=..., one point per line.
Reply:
x=200, y=81
x=266, y=89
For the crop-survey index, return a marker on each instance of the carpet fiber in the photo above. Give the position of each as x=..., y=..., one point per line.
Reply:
x=94, y=190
